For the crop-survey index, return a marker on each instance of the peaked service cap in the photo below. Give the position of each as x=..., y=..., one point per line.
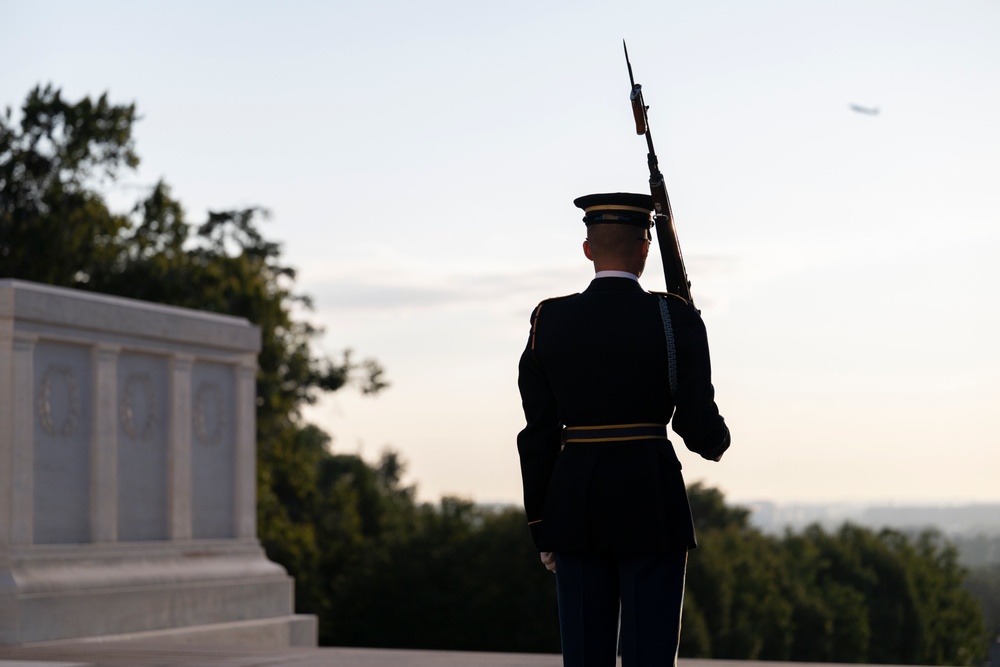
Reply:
x=623, y=208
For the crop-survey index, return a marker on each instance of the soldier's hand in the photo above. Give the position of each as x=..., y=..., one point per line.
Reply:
x=548, y=560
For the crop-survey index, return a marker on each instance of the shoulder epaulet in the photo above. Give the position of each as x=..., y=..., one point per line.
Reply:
x=537, y=312
x=671, y=294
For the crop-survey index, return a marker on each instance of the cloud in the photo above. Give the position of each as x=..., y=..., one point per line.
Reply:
x=377, y=290
x=401, y=284
x=362, y=295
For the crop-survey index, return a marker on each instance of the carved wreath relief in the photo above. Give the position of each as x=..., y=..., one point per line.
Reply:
x=59, y=401
x=58, y=406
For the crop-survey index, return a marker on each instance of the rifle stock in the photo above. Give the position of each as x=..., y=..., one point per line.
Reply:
x=666, y=234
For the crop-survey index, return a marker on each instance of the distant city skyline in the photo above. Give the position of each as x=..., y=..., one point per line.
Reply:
x=965, y=519
x=420, y=162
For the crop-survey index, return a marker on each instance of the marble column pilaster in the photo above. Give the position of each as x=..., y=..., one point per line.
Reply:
x=179, y=483
x=245, y=468
x=104, y=446
x=22, y=452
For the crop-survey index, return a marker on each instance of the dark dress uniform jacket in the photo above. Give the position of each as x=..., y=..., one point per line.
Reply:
x=600, y=358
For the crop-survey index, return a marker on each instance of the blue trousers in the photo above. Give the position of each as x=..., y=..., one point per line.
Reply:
x=647, y=590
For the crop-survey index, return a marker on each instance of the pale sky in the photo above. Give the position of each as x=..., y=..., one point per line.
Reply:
x=420, y=161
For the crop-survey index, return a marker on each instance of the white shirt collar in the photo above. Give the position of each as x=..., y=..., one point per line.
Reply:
x=616, y=274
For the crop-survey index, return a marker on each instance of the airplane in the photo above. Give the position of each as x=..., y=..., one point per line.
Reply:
x=871, y=111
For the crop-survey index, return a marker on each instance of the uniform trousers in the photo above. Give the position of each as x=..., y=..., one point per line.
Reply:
x=647, y=590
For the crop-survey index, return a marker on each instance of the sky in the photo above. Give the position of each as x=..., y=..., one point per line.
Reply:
x=420, y=161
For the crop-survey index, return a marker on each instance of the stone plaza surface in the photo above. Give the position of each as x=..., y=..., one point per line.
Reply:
x=162, y=655
x=147, y=655
x=150, y=655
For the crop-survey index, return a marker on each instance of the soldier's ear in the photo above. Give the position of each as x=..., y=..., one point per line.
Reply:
x=586, y=250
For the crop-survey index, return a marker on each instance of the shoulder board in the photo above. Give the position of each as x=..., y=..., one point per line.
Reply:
x=671, y=294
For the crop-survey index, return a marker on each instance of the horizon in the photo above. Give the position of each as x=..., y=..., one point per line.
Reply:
x=420, y=164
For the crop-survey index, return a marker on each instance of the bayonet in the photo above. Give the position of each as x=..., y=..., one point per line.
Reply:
x=666, y=234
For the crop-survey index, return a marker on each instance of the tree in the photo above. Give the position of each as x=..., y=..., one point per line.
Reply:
x=984, y=584
x=53, y=224
x=735, y=605
x=954, y=618
x=56, y=228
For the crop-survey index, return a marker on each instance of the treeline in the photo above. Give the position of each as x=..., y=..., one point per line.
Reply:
x=854, y=595
x=379, y=568
x=384, y=570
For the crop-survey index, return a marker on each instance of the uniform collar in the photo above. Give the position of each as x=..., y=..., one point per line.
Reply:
x=616, y=274
x=615, y=283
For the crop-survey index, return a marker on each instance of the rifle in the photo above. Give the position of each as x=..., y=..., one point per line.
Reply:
x=666, y=233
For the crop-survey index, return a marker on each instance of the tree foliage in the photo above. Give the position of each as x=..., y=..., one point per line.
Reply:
x=983, y=583
x=53, y=223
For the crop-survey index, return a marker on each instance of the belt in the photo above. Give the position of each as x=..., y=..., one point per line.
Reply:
x=615, y=433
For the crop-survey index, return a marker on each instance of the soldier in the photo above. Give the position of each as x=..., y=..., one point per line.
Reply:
x=602, y=374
